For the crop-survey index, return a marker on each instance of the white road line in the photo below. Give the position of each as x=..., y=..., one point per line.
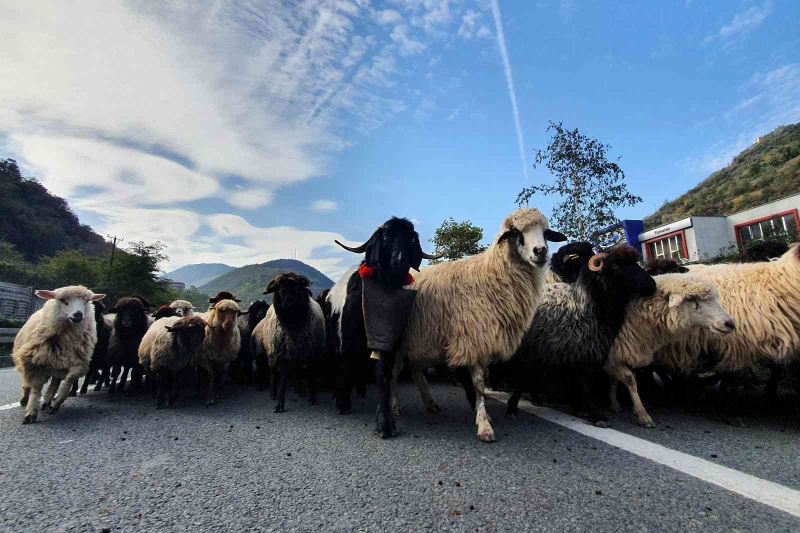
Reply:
x=751, y=487
x=13, y=405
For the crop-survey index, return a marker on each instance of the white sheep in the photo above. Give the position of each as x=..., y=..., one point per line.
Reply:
x=55, y=343
x=184, y=308
x=220, y=346
x=471, y=312
x=684, y=304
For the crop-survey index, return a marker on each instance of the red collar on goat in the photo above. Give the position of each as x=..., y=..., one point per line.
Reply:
x=366, y=271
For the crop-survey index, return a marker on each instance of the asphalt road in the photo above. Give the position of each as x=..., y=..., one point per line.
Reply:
x=119, y=465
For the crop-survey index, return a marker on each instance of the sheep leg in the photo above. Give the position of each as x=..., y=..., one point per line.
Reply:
x=775, y=375
x=613, y=401
x=275, y=382
x=465, y=379
x=26, y=392
x=396, y=369
x=312, y=382
x=345, y=370
x=518, y=370
x=482, y=420
x=262, y=372
x=34, y=397
x=209, y=371
x=385, y=424
x=50, y=393
x=114, y=374
x=85, y=384
x=282, y=384
x=626, y=376
x=67, y=385
x=424, y=389
x=162, y=388
x=102, y=377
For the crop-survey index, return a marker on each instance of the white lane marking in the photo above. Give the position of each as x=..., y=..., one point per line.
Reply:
x=8, y=406
x=751, y=487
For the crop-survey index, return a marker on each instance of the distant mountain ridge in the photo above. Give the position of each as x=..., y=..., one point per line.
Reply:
x=248, y=282
x=198, y=274
x=766, y=171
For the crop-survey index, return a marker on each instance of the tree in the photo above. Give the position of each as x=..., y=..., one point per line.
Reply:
x=136, y=272
x=71, y=268
x=456, y=240
x=590, y=186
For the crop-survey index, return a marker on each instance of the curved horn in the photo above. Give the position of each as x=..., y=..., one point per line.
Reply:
x=597, y=261
x=355, y=250
x=430, y=256
x=570, y=257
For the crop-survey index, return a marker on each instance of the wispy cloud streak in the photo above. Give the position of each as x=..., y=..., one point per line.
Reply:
x=501, y=44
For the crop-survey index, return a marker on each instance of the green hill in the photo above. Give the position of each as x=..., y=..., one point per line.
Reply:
x=37, y=223
x=248, y=282
x=766, y=171
x=198, y=274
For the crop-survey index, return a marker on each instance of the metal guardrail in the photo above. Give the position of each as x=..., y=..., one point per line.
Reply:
x=7, y=335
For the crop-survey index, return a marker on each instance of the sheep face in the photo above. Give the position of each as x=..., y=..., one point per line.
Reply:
x=530, y=244
x=74, y=302
x=392, y=250
x=256, y=313
x=225, y=313
x=182, y=308
x=619, y=272
x=130, y=314
x=165, y=311
x=188, y=334
x=568, y=261
x=701, y=311
x=291, y=297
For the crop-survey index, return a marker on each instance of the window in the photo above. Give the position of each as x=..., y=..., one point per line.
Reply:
x=783, y=223
x=671, y=246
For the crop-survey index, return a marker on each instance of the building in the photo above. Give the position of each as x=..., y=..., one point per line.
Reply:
x=699, y=238
x=174, y=285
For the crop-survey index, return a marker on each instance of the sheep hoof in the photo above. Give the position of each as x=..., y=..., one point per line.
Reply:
x=209, y=403
x=433, y=407
x=52, y=409
x=647, y=423
x=601, y=423
x=511, y=416
x=614, y=408
x=736, y=421
x=396, y=410
x=45, y=406
x=29, y=419
x=280, y=409
x=344, y=410
x=486, y=436
x=24, y=401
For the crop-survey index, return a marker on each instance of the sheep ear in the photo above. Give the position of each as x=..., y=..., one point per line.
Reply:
x=512, y=233
x=675, y=300
x=168, y=328
x=373, y=247
x=554, y=236
x=272, y=287
x=45, y=295
x=98, y=297
x=683, y=270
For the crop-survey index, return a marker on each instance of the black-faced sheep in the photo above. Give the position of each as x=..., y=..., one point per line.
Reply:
x=55, y=343
x=291, y=335
x=471, y=312
x=656, y=267
x=220, y=346
x=390, y=252
x=575, y=324
x=684, y=305
x=165, y=311
x=567, y=262
x=130, y=323
x=98, y=366
x=242, y=369
x=168, y=348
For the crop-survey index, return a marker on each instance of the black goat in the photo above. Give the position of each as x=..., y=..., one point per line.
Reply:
x=130, y=325
x=575, y=325
x=390, y=252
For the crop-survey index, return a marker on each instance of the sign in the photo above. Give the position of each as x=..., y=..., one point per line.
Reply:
x=663, y=230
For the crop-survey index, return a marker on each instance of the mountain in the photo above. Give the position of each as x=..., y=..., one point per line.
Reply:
x=766, y=171
x=38, y=223
x=198, y=274
x=248, y=282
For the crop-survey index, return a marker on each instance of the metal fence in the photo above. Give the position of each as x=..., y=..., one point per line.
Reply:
x=17, y=302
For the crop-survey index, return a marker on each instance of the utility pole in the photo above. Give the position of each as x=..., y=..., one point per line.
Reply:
x=111, y=261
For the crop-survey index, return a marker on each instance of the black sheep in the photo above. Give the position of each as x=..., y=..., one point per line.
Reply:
x=98, y=367
x=130, y=325
x=567, y=261
x=242, y=368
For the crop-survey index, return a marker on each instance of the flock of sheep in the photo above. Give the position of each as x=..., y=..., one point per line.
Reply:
x=511, y=308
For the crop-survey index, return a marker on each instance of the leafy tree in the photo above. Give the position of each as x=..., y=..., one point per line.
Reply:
x=71, y=268
x=135, y=272
x=456, y=240
x=590, y=185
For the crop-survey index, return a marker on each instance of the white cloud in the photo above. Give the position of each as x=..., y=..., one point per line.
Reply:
x=145, y=106
x=323, y=206
x=472, y=25
x=741, y=24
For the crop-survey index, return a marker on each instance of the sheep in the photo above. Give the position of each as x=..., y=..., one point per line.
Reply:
x=98, y=366
x=471, y=312
x=220, y=346
x=242, y=368
x=168, y=348
x=164, y=311
x=684, y=304
x=56, y=342
x=390, y=252
x=130, y=322
x=575, y=324
x=222, y=295
x=291, y=334
x=656, y=267
x=567, y=262
x=184, y=308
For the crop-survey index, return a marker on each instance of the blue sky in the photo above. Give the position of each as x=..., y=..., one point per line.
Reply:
x=245, y=131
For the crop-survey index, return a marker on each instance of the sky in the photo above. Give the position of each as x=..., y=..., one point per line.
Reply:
x=240, y=132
